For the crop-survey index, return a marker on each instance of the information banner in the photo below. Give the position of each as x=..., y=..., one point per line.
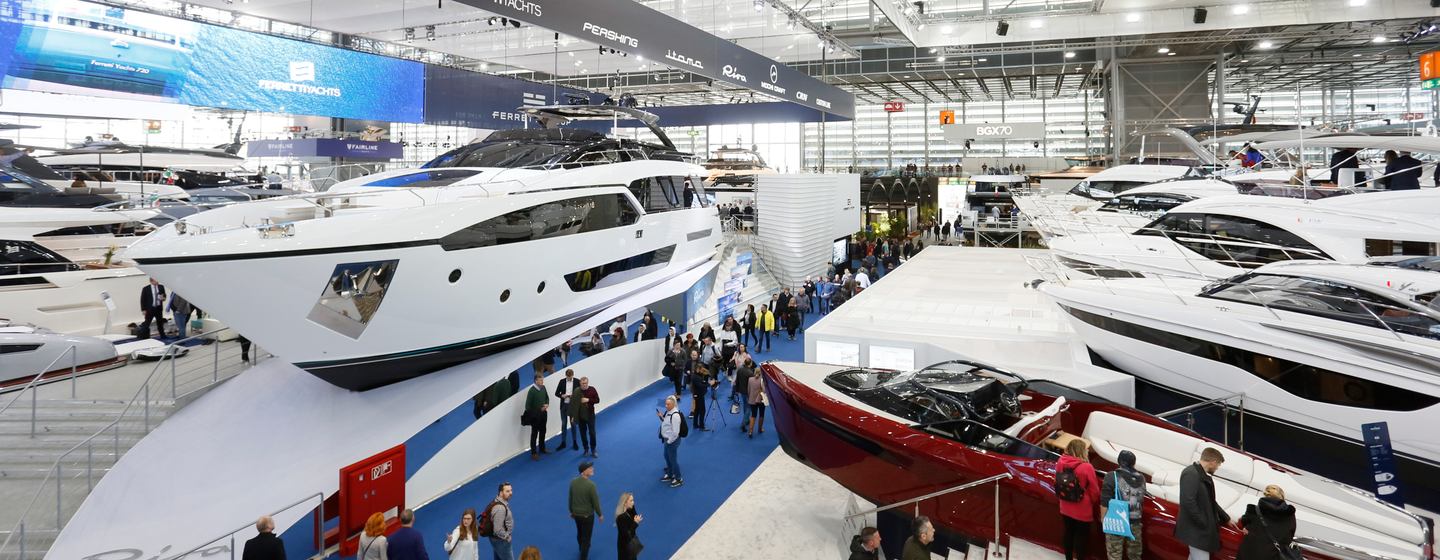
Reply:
x=1382, y=462
x=68, y=46
x=637, y=29
x=325, y=147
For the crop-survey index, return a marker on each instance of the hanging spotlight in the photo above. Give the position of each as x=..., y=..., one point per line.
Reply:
x=790, y=24
x=429, y=33
x=409, y=34
x=1002, y=28
x=515, y=23
x=759, y=5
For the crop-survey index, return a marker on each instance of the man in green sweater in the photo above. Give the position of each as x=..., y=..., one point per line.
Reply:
x=537, y=407
x=585, y=507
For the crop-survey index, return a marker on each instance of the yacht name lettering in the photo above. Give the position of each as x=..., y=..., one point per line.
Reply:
x=733, y=73
x=610, y=34
x=307, y=89
x=532, y=8
x=507, y=116
x=120, y=67
x=682, y=59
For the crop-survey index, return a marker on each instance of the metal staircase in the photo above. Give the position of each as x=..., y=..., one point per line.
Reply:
x=759, y=284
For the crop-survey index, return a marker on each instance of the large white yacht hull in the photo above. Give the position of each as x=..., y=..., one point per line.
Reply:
x=440, y=307
x=71, y=302
x=1128, y=331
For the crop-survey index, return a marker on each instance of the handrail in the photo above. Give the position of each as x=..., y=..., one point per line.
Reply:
x=231, y=533
x=32, y=384
x=965, y=486
x=1225, y=424
x=54, y=470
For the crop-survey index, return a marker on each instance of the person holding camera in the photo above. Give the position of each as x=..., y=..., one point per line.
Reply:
x=700, y=385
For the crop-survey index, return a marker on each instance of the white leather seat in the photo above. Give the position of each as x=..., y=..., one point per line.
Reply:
x=1028, y=420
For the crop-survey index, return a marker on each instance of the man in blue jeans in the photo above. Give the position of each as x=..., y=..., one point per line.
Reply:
x=670, y=420
x=502, y=523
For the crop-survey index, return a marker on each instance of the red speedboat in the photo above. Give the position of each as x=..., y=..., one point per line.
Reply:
x=891, y=436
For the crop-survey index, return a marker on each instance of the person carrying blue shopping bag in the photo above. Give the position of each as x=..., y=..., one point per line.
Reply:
x=1120, y=516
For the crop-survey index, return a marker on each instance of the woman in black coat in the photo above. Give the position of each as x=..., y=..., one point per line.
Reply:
x=1269, y=528
x=627, y=521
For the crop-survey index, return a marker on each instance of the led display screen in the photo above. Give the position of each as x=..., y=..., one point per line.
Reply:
x=68, y=46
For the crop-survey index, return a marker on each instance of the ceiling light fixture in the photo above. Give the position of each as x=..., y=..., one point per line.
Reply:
x=1357, y=3
x=759, y=5
x=1037, y=23
x=947, y=29
x=1069, y=54
x=1170, y=54
x=932, y=50
x=1163, y=50
x=1240, y=9
x=1379, y=39
x=1132, y=17
x=484, y=66
x=982, y=60
x=939, y=59
x=1265, y=45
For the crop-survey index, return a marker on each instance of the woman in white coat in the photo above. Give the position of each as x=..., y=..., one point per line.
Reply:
x=462, y=542
x=373, y=542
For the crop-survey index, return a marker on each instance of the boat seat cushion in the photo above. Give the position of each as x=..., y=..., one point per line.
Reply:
x=1044, y=416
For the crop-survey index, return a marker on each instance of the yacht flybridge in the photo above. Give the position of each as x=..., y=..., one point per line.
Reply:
x=1218, y=237
x=394, y=275
x=1317, y=348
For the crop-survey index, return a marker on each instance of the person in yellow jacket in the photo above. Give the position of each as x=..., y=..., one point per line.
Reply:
x=765, y=323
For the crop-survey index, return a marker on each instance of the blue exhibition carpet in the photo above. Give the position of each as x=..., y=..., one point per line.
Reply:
x=630, y=459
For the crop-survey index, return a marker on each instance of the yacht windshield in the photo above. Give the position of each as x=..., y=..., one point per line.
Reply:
x=28, y=257
x=508, y=154
x=944, y=391
x=1328, y=299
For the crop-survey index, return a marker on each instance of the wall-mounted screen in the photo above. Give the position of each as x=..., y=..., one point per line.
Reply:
x=840, y=353
x=68, y=46
x=891, y=357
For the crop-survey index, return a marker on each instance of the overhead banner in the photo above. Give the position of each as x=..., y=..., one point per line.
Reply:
x=68, y=46
x=325, y=147
x=994, y=131
x=637, y=29
x=455, y=97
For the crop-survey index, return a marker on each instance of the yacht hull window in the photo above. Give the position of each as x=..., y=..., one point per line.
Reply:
x=353, y=295
x=596, y=277
x=544, y=221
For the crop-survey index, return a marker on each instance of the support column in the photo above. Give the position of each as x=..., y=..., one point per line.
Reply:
x=1115, y=107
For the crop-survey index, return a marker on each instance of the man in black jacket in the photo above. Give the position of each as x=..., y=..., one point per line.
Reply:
x=265, y=546
x=1343, y=158
x=866, y=545
x=1404, y=172
x=565, y=389
x=152, y=302
x=1198, y=523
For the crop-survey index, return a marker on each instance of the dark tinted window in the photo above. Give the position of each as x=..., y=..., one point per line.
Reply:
x=1325, y=299
x=1144, y=203
x=1104, y=189
x=500, y=154
x=28, y=257
x=1302, y=380
x=552, y=219
x=1254, y=242
x=659, y=194
x=436, y=178
x=614, y=271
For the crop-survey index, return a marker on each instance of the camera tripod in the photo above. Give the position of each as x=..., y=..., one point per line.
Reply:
x=713, y=409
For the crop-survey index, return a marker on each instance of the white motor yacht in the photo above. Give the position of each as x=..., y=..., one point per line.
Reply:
x=1131, y=209
x=394, y=275
x=42, y=287
x=1094, y=191
x=149, y=171
x=77, y=223
x=1317, y=349
x=1218, y=237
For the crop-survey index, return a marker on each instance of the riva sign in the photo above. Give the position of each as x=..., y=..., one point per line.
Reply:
x=993, y=131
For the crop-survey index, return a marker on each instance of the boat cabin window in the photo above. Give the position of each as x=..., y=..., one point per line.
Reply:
x=1391, y=247
x=432, y=178
x=1144, y=203
x=663, y=194
x=28, y=257
x=618, y=271
x=543, y=221
x=1257, y=242
x=1302, y=380
x=1101, y=190
x=1326, y=299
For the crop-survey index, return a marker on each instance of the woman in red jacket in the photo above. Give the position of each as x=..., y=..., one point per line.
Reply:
x=1079, y=494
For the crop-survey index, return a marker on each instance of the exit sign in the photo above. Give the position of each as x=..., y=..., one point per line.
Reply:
x=894, y=106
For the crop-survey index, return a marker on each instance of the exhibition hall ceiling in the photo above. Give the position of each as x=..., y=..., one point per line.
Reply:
x=889, y=67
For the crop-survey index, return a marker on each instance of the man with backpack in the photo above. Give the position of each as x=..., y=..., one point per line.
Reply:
x=497, y=523
x=672, y=428
x=1128, y=485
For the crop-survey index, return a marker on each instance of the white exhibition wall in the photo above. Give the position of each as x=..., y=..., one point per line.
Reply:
x=797, y=218
x=498, y=436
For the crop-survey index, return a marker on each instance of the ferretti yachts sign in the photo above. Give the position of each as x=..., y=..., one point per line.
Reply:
x=635, y=28
x=993, y=131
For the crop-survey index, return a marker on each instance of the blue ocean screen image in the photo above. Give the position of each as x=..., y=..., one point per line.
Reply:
x=241, y=70
x=75, y=47
x=69, y=46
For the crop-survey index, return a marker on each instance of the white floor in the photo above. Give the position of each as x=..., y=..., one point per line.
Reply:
x=784, y=510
